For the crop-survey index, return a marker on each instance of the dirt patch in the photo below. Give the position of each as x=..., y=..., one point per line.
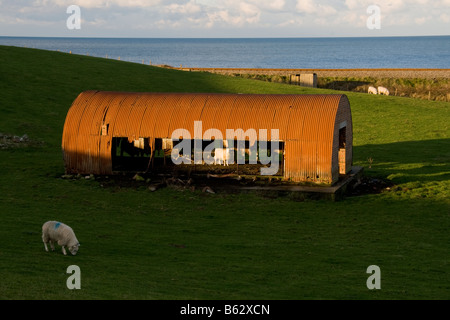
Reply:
x=216, y=183
x=368, y=185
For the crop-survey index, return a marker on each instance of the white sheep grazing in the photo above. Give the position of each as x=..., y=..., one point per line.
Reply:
x=372, y=90
x=221, y=156
x=383, y=90
x=54, y=231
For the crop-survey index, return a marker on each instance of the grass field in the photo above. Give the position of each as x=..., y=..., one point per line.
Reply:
x=168, y=244
x=426, y=89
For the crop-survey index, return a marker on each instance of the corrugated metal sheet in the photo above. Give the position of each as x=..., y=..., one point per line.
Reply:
x=263, y=117
x=324, y=148
x=72, y=129
x=87, y=143
x=114, y=106
x=92, y=139
x=181, y=110
x=152, y=110
x=194, y=113
x=282, y=105
x=308, y=125
x=208, y=115
x=223, y=113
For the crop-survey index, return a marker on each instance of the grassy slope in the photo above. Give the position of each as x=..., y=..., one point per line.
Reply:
x=175, y=245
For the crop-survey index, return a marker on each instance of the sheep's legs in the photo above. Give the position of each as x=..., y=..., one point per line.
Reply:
x=64, y=250
x=51, y=245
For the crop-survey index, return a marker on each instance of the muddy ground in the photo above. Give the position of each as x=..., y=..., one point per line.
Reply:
x=219, y=181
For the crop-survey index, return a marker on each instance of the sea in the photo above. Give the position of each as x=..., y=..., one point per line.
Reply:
x=279, y=53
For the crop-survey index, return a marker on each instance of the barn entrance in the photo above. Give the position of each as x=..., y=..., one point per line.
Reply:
x=342, y=143
x=130, y=156
x=230, y=156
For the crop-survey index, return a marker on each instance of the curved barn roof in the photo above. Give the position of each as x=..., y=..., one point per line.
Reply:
x=307, y=123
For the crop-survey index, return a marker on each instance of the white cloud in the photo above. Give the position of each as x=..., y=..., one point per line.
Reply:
x=422, y=20
x=393, y=6
x=279, y=17
x=318, y=8
x=105, y=3
x=232, y=13
x=271, y=5
x=444, y=18
x=186, y=8
x=250, y=12
x=352, y=4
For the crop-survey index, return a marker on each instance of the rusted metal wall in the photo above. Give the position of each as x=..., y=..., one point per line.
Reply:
x=308, y=125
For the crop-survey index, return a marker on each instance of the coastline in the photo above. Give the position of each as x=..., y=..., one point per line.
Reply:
x=420, y=73
x=425, y=84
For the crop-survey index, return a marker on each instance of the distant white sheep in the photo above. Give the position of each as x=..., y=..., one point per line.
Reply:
x=177, y=158
x=222, y=156
x=372, y=90
x=54, y=231
x=383, y=91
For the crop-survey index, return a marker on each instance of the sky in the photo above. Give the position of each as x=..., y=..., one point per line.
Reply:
x=224, y=18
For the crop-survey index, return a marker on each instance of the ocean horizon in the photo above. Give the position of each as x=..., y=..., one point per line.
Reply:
x=277, y=53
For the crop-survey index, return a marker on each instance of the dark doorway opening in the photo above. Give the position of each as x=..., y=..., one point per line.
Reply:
x=342, y=154
x=130, y=156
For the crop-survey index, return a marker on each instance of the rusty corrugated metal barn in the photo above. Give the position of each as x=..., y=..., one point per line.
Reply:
x=316, y=130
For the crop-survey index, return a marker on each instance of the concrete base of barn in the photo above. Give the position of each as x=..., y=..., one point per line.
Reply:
x=299, y=192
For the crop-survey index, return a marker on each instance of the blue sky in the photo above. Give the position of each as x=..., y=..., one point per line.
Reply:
x=225, y=18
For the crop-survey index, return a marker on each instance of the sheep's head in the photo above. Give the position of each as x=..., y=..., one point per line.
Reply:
x=74, y=249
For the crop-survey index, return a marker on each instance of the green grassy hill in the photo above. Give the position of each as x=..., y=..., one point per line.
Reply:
x=169, y=244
